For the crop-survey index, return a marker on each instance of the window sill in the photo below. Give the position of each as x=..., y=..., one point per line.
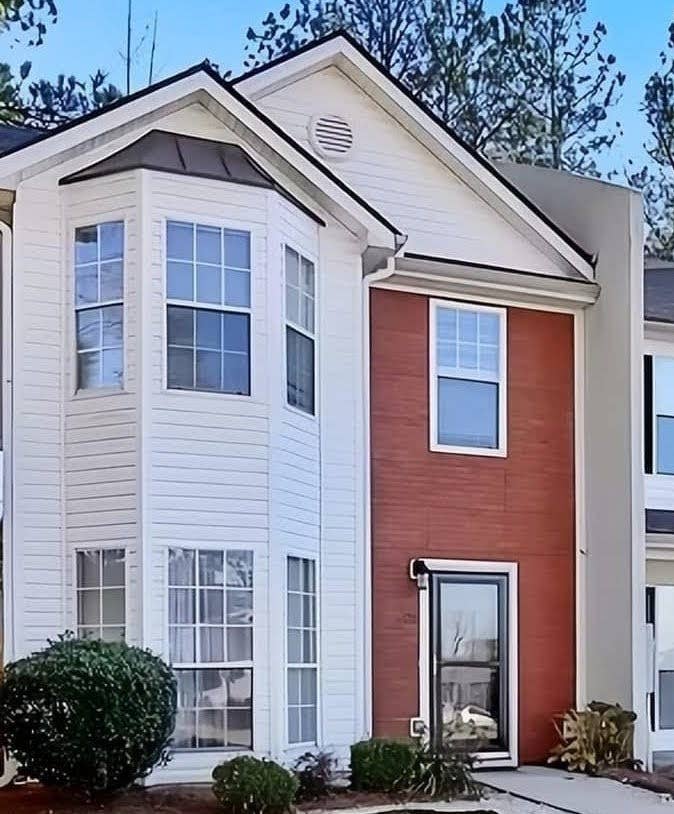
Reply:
x=211, y=394
x=302, y=413
x=101, y=392
x=484, y=452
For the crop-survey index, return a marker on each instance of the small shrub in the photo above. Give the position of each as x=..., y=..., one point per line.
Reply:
x=382, y=765
x=314, y=773
x=247, y=785
x=595, y=738
x=443, y=771
x=87, y=714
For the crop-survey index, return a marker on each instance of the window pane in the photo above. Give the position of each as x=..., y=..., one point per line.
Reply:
x=307, y=277
x=237, y=288
x=240, y=569
x=295, y=646
x=112, y=281
x=86, y=284
x=179, y=281
x=240, y=728
x=113, y=567
x=467, y=413
x=467, y=326
x=211, y=570
x=308, y=686
x=295, y=610
x=307, y=313
x=308, y=724
x=187, y=688
x=89, y=632
x=292, y=267
x=112, y=240
x=180, y=373
x=211, y=728
x=181, y=606
x=293, y=304
x=88, y=370
x=665, y=436
x=180, y=326
x=208, y=245
x=239, y=644
x=112, y=326
x=112, y=634
x=86, y=244
x=179, y=241
x=239, y=607
x=181, y=566
x=309, y=575
x=89, y=329
x=470, y=702
x=294, y=684
x=240, y=686
x=294, y=725
x=211, y=607
x=468, y=355
x=113, y=606
x=208, y=370
x=89, y=607
x=235, y=374
x=113, y=368
x=237, y=249
x=489, y=328
x=209, y=330
x=88, y=569
x=300, y=370
x=182, y=645
x=469, y=621
x=235, y=332
x=209, y=280
x=184, y=735
x=666, y=698
x=294, y=574
x=212, y=644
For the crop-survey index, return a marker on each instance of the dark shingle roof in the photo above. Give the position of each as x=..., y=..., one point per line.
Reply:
x=12, y=136
x=659, y=291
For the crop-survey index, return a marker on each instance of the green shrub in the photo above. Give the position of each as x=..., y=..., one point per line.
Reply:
x=595, y=738
x=314, y=773
x=247, y=785
x=87, y=714
x=443, y=771
x=382, y=765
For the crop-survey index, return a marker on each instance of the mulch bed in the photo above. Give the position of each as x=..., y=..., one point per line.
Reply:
x=183, y=799
x=661, y=781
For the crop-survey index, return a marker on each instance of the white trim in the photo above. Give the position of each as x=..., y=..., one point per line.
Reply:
x=510, y=569
x=580, y=508
x=9, y=573
x=489, y=185
x=434, y=445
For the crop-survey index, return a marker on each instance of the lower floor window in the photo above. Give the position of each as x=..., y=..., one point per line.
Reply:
x=215, y=709
x=301, y=650
x=101, y=594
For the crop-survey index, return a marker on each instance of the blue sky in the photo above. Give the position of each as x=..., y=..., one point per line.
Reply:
x=91, y=33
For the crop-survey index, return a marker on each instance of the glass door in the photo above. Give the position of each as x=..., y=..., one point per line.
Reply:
x=662, y=710
x=469, y=682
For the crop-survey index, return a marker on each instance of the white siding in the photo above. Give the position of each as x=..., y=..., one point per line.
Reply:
x=401, y=178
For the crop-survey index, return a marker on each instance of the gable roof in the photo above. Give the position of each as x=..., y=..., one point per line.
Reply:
x=329, y=49
x=13, y=136
x=200, y=77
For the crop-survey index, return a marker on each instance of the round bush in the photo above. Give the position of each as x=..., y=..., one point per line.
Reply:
x=247, y=785
x=382, y=765
x=88, y=714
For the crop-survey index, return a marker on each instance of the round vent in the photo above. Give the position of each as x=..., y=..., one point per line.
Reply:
x=331, y=136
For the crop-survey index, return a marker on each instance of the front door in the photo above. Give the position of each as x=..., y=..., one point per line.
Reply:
x=471, y=676
x=660, y=611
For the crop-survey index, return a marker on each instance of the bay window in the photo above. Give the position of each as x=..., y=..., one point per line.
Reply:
x=210, y=615
x=101, y=594
x=208, y=284
x=99, y=305
x=467, y=378
x=302, y=657
x=300, y=299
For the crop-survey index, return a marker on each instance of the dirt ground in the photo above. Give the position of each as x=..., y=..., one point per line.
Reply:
x=661, y=781
x=34, y=799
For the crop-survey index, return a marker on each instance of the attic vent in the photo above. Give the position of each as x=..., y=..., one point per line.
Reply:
x=331, y=136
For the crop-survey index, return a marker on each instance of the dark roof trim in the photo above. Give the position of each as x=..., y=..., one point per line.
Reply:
x=115, y=163
x=488, y=267
x=227, y=86
x=587, y=256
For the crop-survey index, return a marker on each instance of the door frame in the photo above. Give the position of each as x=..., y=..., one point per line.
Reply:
x=420, y=570
x=660, y=740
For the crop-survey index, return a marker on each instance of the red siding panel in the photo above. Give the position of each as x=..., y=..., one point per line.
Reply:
x=519, y=509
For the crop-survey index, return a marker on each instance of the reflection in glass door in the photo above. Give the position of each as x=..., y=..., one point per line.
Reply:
x=469, y=659
x=662, y=710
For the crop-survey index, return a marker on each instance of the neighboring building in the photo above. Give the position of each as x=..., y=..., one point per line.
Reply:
x=312, y=400
x=659, y=478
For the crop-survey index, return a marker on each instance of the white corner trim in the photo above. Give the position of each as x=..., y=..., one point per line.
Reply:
x=580, y=519
x=497, y=567
x=502, y=450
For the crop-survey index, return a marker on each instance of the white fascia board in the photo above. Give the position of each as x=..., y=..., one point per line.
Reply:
x=141, y=112
x=488, y=185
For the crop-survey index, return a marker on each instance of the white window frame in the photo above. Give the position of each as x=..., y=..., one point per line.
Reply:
x=191, y=219
x=497, y=452
x=510, y=569
x=288, y=665
x=288, y=323
x=88, y=549
x=75, y=225
x=219, y=665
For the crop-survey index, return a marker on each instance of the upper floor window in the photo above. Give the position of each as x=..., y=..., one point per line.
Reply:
x=99, y=305
x=663, y=411
x=210, y=617
x=208, y=284
x=101, y=594
x=300, y=285
x=467, y=378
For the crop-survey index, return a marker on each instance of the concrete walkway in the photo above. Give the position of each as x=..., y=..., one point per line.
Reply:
x=575, y=793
